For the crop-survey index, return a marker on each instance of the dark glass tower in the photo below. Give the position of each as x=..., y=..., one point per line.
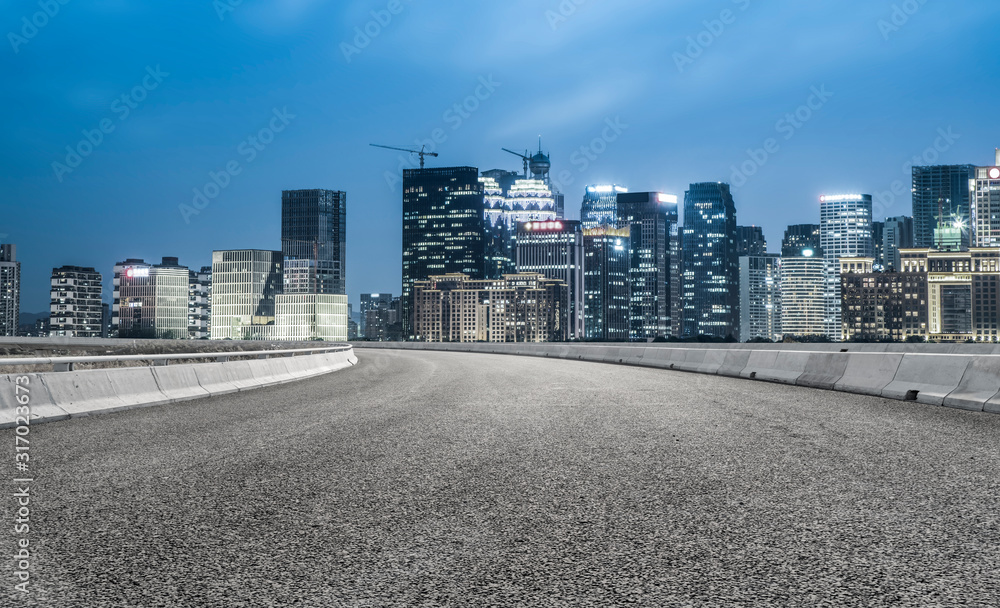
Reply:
x=711, y=264
x=606, y=283
x=444, y=229
x=940, y=192
x=649, y=216
x=750, y=241
x=600, y=205
x=314, y=241
x=800, y=237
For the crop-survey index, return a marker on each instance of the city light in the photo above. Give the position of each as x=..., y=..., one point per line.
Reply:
x=995, y=173
x=136, y=273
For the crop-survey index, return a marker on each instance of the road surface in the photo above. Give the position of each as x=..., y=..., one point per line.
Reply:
x=450, y=479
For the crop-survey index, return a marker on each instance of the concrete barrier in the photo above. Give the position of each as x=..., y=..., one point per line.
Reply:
x=979, y=385
x=136, y=386
x=39, y=404
x=78, y=393
x=868, y=374
x=214, y=378
x=927, y=378
x=823, y=370
x=774, y=366
x=179, y=382
x=734, y=363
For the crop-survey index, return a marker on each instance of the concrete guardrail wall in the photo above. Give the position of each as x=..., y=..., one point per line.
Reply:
x=60, y=395
x=965, y=376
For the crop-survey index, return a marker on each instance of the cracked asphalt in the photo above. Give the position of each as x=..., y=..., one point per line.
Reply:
x=450, y=479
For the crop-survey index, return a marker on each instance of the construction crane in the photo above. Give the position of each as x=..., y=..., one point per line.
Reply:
x=421, y=153
x=523, y=157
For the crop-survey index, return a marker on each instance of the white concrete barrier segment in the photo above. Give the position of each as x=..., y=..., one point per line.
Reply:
x=978, y=386
x=136, y=386
x=868, y=374
x=32, y=395
x=822, y=370
x=179, y=382
x=927, y=378
x=767, y=365
x=77, y=393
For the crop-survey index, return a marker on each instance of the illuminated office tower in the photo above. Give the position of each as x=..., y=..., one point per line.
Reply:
x=750, y=241
x=984, y=189
x=314, y=241
x=799, y=237
x=245, y=284
x=760, y=297
x=150, y=301
x=651, y=218
x=606, y=305
x=803, y=294
x=845, y=232
x=10, y=290
x=75, y=308
x=444, y=229
x=600, y=205
x=940, y=196
x=555, y=250
x=370, y=302
x=878, y=245
x=711, y=284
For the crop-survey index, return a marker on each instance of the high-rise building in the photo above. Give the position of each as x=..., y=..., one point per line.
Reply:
x=600, y=205
x=845, y=232
x=372, y=301
x=10, y=290
x=75, y=308
x=897, y=234
x=105, y=320
x=309, y=316
x=882, y=306
x=444, y=229
x=555, y=250
x=878, y=237
x=516, y=308
x=799, y=237
x=245, y=284
x=150, y=301
x=750, y=241
x=984, y=188
x=200, y=303
x=760, y=297
x=651, y=218
x=803, y=294
x=940, y=196
x=606, y=303
x=711, y=292
x=314, y=241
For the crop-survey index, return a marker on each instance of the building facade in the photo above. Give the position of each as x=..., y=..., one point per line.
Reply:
x=309, y=317
x=555, y=249
x=200, y=303
x=150, y=301
x=606, y=291
x=444, y=229
x=940, y=196
x=314, y=241
x=711, y=284
x=515, y=308
x=898, y=234
x=651, y=218
x=372, y=302
x=800, y=237
x=803, y=295
x=882, y=306
x=845, y=232
x=760, y=297
x=75, y=307
x=600, y=206
x=750, y=241
x=245, y=284
x=10, y=290
x=984, y=187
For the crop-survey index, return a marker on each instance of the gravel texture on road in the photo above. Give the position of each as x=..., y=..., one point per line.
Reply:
x=449, y=479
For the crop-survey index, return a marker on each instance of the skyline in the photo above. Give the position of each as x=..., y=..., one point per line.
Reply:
x=675, y=123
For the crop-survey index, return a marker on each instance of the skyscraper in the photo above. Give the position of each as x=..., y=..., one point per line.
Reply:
x=750, y=241
x=650, y=217
x=150, y=301
x=940, y=195
x=75, y=309
x=711, y=297
x=803, y=295
x=314, y=241
x=600, y=205
x=372, y=302
x=200, y=303
x=984, y=188
x=760, y=297
x=444, y=229
x=245, y=284
x=878, y=236
x=799, y=237
x=10, y=290
x=845, y=232
x=898, y=234
x=606, y=302
x=555, y=250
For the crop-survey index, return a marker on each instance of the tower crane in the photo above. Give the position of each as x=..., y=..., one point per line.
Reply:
x=523, y=157
x=421, y=152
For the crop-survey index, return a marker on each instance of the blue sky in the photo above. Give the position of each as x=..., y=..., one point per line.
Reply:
x=690, y=85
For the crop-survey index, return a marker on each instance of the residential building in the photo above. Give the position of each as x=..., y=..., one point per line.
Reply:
x=606, y=292
x=10, y=290
x=760, y=297
x=882, y=306
x=711, y=292
x=75, y=309
x=200, y=303
x=555, y=249
x=369, y=302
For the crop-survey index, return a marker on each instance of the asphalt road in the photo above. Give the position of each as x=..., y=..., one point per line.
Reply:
x=448, y=479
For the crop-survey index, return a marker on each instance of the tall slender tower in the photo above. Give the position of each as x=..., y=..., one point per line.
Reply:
x=314, y=241
x=10, y=290
x=711, y=284
x=845, y=232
